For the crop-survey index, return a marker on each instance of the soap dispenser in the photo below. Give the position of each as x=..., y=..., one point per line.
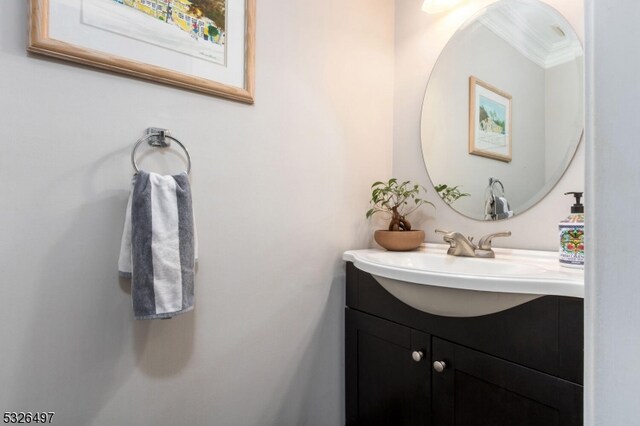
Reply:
x=572, y=235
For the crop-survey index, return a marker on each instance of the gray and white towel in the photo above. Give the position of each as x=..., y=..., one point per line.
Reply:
x=158, y=250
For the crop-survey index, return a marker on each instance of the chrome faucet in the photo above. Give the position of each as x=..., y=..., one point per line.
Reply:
x=463, y=246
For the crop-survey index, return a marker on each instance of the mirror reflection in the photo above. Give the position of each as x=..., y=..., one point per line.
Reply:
x=503, y=111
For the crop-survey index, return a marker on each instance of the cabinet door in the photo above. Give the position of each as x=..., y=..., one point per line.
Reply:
x=385, y=385
x=479, y=389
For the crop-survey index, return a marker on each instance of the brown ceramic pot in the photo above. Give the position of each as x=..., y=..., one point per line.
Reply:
x=399, y=240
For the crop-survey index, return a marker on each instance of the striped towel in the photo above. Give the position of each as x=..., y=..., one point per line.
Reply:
x=158, y=250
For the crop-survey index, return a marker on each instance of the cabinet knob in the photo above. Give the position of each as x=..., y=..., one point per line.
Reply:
x=417, y=356
x=439, y=366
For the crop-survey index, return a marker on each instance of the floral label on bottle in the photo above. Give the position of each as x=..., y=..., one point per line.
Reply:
x=572, y=244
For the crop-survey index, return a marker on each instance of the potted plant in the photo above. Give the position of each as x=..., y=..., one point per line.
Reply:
x=397, y=200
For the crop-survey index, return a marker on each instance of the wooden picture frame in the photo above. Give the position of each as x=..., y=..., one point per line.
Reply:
x=489, y=121
x=41, y=42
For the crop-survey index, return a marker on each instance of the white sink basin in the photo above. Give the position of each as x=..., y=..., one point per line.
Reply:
x=434, y=282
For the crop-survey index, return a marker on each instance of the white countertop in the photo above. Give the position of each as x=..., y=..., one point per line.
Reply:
x=512, y=270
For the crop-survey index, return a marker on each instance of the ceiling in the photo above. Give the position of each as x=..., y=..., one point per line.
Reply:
x=539, y=33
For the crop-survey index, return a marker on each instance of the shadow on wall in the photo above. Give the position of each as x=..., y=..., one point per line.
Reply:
x=321, y=353
x=162, y=347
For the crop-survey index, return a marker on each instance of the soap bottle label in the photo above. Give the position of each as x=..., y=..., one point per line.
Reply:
x=572, y=244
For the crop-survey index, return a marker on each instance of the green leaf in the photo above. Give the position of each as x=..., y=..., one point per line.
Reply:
x=385, y=197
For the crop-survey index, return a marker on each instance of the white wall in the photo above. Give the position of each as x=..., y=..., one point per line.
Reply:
x=612, y=346
x=419, y=39
x=445, y=115
x=280, y=190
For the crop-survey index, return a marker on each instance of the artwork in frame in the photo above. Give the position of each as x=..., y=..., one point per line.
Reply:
x=489, y=121
x=202, y=45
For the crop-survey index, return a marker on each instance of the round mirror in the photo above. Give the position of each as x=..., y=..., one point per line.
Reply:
x=503, y=112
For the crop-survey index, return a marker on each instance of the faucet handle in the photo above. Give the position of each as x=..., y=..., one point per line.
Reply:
x=440, y=231
x=485, y=242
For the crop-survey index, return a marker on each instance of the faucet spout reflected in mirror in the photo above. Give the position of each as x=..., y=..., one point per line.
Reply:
x=463, y=246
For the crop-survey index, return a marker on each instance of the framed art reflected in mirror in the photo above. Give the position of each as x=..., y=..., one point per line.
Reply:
x=489, y=121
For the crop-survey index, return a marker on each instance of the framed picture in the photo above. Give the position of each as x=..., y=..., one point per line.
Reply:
x=202, y=45
x=489, y=121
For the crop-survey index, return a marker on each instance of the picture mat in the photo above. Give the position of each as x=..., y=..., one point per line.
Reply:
x=65, y=24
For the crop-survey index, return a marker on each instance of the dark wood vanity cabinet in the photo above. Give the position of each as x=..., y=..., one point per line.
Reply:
x=392, y=388
x=522, y=366
x=479, y=389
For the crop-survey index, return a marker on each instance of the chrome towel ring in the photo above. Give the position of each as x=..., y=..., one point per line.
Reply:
x=158, y=138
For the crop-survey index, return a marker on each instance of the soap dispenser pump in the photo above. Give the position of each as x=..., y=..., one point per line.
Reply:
x=572, y=235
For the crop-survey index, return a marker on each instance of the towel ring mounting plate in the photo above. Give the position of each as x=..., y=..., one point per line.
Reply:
x=158, y=138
